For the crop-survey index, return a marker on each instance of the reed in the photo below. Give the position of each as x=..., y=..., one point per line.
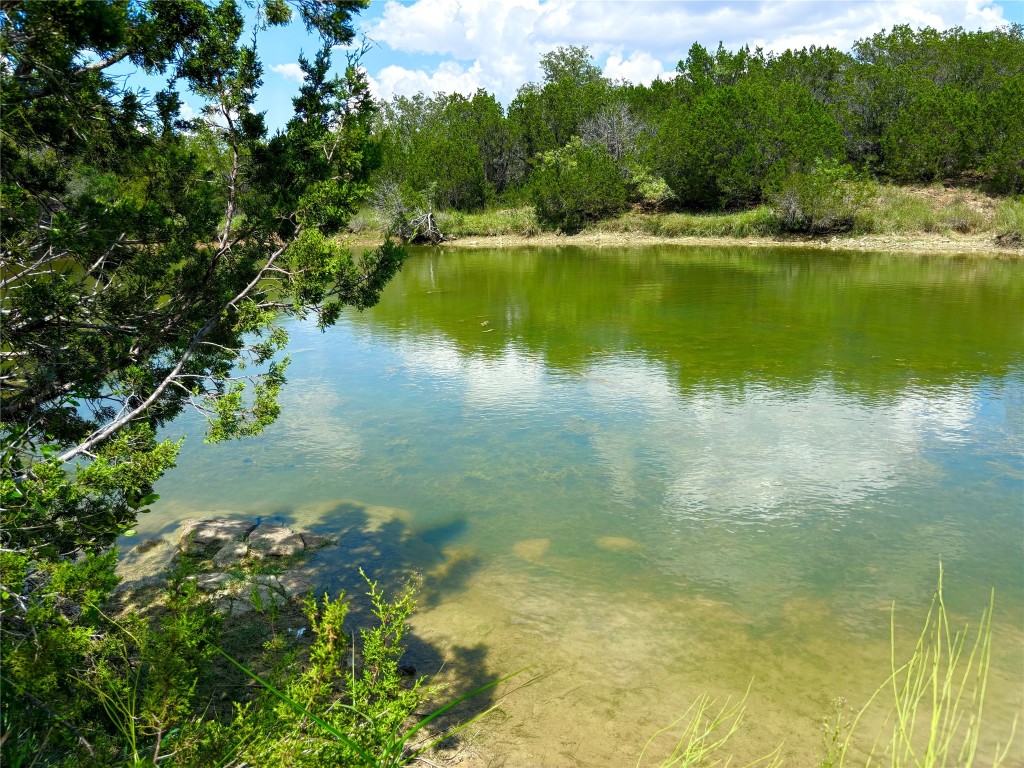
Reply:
x=704, y=730
x=933, y=703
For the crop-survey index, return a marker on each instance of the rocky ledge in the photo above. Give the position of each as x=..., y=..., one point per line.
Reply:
x=240, y=565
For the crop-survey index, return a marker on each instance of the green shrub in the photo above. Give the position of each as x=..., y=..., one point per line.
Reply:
x=83, y=687
x=651, y=191
x=934, y=137
x=731, y=144
x=576, y=185
x=1003, y=137
x=825, y=199
x=330, y=710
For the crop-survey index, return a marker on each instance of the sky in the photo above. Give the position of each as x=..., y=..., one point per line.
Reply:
x=461, y=45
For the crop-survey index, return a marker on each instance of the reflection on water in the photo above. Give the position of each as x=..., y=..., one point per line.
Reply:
x=661, y=471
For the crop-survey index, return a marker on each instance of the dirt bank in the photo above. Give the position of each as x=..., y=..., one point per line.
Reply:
x=983, y=245
x=975, y=245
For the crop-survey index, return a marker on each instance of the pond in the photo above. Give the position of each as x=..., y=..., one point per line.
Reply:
x=655, y=472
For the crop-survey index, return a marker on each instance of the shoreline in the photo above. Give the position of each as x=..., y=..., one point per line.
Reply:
x=909, y=244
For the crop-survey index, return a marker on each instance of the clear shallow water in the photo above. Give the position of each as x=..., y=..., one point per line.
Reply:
x=653, y=472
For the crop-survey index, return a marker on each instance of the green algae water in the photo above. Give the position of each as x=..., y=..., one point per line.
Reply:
x=655, y=472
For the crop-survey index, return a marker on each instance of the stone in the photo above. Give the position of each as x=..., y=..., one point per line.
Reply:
x=204, y=534
x=213, y=582
x=293, y=584
x=146, y=563
x=617, y=543
x=230, y=554
x=276, y=540
x=531, y=550
x=313, y=541
x=234, y=608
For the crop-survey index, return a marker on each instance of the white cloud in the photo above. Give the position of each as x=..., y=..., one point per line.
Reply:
x=291, y=71
x=638, y=67
x=497, y=44
x=449, y=77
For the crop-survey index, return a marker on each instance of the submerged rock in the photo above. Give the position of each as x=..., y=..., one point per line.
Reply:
x=618, y=543
x=531, y=549
x=198, y=536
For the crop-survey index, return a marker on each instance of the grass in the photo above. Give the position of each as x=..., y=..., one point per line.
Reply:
x=1009, y=221
x=923, y=210
x=932, y=710
x=757, y=222
x=703, y=732
x=501, y=221
x=891, y=210
x=933, y=703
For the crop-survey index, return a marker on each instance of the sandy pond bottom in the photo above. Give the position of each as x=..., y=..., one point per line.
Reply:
x=605, y=664
x=610, y=668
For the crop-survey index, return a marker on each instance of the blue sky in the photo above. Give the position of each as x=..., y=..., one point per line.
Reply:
x=460, y=45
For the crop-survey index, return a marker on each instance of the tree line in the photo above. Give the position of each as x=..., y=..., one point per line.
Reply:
x=730, y=130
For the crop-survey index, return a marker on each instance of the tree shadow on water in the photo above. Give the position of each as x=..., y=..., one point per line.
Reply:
x=382, y=543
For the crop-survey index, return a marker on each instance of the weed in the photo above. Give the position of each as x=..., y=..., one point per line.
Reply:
x=705, y=732
x=1009, y=221
x=936, y=699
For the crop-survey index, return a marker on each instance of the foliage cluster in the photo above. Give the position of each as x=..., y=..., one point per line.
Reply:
x=826, y=198
x=132, y=690
x=147, y=263
x=576, y=185
x=732, y=130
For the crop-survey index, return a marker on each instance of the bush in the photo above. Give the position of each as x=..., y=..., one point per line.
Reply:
x=84, y=684
x=825, y=199
x=577, y=185
x=1003, y=137
x=934, y=137
x=652, y=192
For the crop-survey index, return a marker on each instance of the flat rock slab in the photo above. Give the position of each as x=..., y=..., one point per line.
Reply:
x=276, y=540
x=146, y=563
x=200, y=535
x=230, y=554
x=213, y=582
x=229, y=543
